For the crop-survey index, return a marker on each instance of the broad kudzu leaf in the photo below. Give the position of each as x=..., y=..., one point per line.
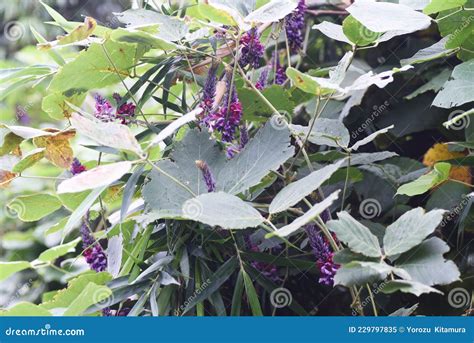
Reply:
x=81, y=32
x=361, y=272
x=172, y=183
x=296, y=191
x=330, y=132
x=370, y=138
x=310, y=215
x=10, y=141
x=10, y=268
x=135, y=36
x=93, y=67
x=406, y=286
x=29, y=160
x=25, y=309
x=65, y=297
x=436, y=6
x=410, y=230
x=459, y=89
x=58, y=150
x=435, y=51
x=118, y=136
x=383, y=16
x=272, y=11
x=357, y=33
x=333, y=31
x=355, y=235
x=53, y=253
x=56, y=104
x=423, y=184
x=97, y=177
x=222, y=209
x=90, y=295
x=425, y=263
x=30, y=208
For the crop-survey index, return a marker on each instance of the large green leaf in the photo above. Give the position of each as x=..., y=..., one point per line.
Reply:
x=357, y=237
x=426, y=264
x=310, y=215
x=330, y=132
x=383, y=16
x=460, y=89
x=436, y=6
x=9, y=268
x=358, y=33
x=90, y=295
x=360, y=273
x=25, y=309
x=410, y=230
x=406, y=286
x=423, y=184
x=99, y=66
x=272, y=11
x=53, y=253
x=222, y=209
x=298, y=190
x=30, y=208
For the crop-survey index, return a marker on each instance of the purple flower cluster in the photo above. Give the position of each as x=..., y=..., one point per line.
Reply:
x=93, y=252
x=252, y=49
x=77, y=167
x=294, y=26
x=236, y=148
x=226, y=118
x=209, y=91
x=280, y=73
x=324, y=255
x=207, y=175
x=262, y=79
x=268, y=270
x=104, y=111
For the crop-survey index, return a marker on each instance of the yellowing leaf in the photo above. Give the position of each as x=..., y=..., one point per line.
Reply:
x=81, y=32
x=58, y=150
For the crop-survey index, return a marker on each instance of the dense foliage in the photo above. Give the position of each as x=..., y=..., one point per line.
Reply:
x=244, y=157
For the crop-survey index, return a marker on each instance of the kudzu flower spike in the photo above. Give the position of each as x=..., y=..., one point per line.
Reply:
x=207, y=175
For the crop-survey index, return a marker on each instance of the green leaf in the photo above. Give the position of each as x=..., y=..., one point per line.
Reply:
x=423, y=184
x=216, y=14
x=405, y=286
x=252, y=296
x=459, y=89
x=56, y=104
x=299, y=222
x=118, y=136
x=90, y=295
x=30, y=208
x=93, y=67
x=333, y=31
x=141, y=37
x=255, y=109
x=433, y=52
x=10, y=268
x=53, y=253
x=222, y=209
x=272, y=12
x=310, y=84
x=10, y=142
x=29, y=160
x=370, y=138
x=355, y=235
x=383, y=16
x=330, y=132
x=65, y=297
x=360, y=273
x=237, y=296
x=57, y=227
x=97, y=177
x=436, y=6
x=298, y=190
x=358, y=33
x=25, y=309
x=410, y=230
x=79, y=33
x=426, y=264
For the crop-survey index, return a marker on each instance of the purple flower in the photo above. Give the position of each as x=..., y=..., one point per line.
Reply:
x=266, y=269
x=226, y=118
x=77, y=167
x=280, y=73
x=252, y=49
x=235, y=149
x=294, y=26
x=209, y=91
x=262, y=79
x=103, y=109
x=125, y=110
x=93, y=252
x=207, y=175
x=323, y=254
